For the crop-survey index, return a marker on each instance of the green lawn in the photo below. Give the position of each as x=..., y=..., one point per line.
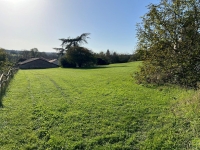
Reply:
x=99, y=108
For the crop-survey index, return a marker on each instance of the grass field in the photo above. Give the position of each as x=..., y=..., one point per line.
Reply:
x=99, y=108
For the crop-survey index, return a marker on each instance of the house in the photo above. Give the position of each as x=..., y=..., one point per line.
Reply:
x=55, y=61
x=36, y=63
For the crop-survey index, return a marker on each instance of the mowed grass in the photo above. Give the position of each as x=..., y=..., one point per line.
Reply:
x=99, y=108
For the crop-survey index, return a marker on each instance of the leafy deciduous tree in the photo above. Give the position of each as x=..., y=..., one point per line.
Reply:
x=169, y=36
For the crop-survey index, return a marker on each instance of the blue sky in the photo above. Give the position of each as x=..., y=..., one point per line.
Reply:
x=26, y=24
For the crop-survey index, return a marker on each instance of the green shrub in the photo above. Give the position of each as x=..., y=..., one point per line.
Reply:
x=66, y=64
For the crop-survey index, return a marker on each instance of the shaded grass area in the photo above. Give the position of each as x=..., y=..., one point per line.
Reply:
x=94, y=109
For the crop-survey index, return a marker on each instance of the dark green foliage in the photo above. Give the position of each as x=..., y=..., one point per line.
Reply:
x=74, y=54
x=102, y=56
x=101, y=61
x=2, y=58
x=65, y=63
x=2, y=55
x=71, y=42
x=123, y=58
x=117, y=58
x=80, y=56
x=169, y=42
x=4, y=63
x=138, y=55
x=74, y=42
x=113, y=57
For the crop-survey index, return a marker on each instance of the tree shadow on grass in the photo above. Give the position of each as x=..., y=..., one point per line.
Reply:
x=99, y=67
x=1, y=104
x=2, y=93
x=1, y=101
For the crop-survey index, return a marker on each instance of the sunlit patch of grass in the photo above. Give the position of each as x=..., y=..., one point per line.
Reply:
x=93, y=109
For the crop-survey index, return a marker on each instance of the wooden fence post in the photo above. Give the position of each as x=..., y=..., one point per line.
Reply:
x=4, y=81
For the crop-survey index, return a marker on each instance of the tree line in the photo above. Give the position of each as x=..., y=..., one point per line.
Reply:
x=15, y=56
x=72, y=54
x=74, y=57
x=112, y=57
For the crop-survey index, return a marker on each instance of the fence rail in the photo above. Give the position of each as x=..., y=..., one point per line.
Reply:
x=4, y=81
